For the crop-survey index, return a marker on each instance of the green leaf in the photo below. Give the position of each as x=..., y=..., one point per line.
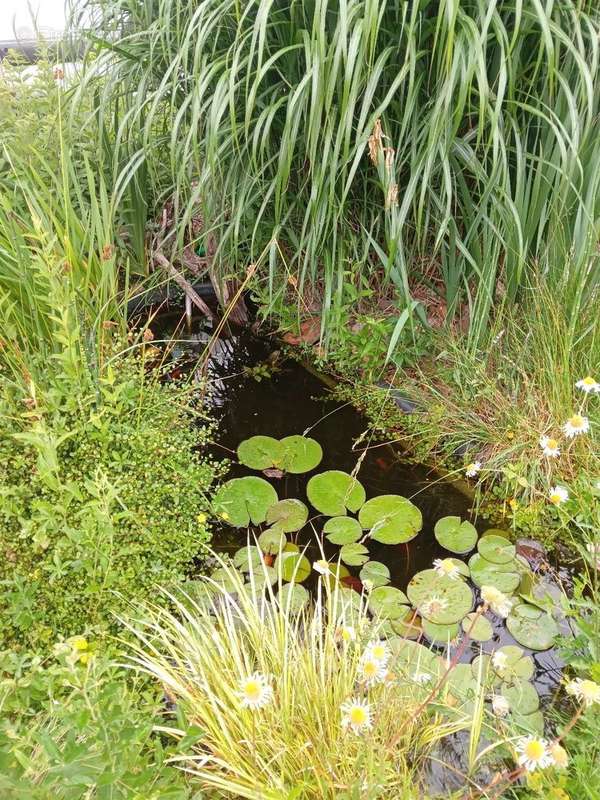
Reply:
x=248, y=558
x=354, y=554
x=440, y=634
x=481, y=631
x=505, y=577
x=294, y=597
x=333, y=492
x=454, y=535
x=293, y=567
x=300, y=454
x=342, y=530
x=228, y=578
x=388, y=602
x=392, y=519
x=287, y=515
x=409, y=625
x=532, y=627
x=243, y=500
x=496, y=549
x=272, y=541
x=518, y=666
x=438, y=598
x=260, y=452
x=262, y=576
x=374, y=574
x=522, y=696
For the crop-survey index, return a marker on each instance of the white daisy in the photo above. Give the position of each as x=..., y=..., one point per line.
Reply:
x=356, y=715
x=500, y=705
x=549, y=447
x=499, y=603
x=533, y=753
x=371, y=671
x=346, y=633
x=576, y=425
x=586, y=691
x=447, y=567
x=499, y=661
x=433, y=606
x=421, y=678
x=588, y=384
x=378, y=650
x=255, y=691
x=472, y=469
x=558, y=495
x=559, y=756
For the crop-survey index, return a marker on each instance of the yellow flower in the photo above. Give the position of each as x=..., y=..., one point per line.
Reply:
x=224, y=515
x=513, y=503
x=559, y=755
x=201, y=519
x=472, y=469
x=78, y=643
x=346, y=633
x=586, y=691
x=558, y=495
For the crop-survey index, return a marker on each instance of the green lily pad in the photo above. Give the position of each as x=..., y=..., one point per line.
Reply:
x=409, y=625
x=272, y=541
x=440, y=634
x=374, y=574
x=337, y=571
x=262, y=577
x=522, y=696
x=349, y=601
x=294, y=597
x=438, y=598
x=390, y=519
x=496, y=549
x=454, y=535
x=287, y=515
x=529, y=723
x=243, y=500
x=229, y=579
x=354, y=554
x=333, y=492
x=504, y=577
x=248, y=558
x=462, y=567
x=481, y=631
x=300, y=454
x=532, y=627
x=462, y=684
x=342, y=530
x=388, y=602
x=259, y=452
x=412, y=658
x=517, y=666
x=293, y=567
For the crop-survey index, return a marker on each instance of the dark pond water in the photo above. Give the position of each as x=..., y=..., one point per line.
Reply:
x=254, y=389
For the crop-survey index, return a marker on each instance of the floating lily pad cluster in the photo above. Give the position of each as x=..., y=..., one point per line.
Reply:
x=295, y=454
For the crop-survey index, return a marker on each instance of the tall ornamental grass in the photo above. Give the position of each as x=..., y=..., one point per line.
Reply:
x=448, y=143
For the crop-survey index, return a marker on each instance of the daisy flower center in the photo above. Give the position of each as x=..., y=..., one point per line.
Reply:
x=534, y=750
x=378, y=652
x=555, y=497
x=551, y=444
x=589, y=381
x=370, y=669
x=252, y=690
x=576, y=421
x=358, y=715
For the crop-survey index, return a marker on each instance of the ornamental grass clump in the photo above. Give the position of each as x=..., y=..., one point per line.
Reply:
x=306, y=702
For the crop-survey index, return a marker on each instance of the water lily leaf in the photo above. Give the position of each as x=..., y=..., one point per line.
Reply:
x=505, y=577
x=388, y=602
x=529, y=723
x=350, y=602
x=228, y=578
x=272, y=541
x=438, y=598
x=409, y=625
x=263, y=576
x=333, y=492
x=374, y=574
x=521, y=696
x=342, y=530
x=414, y=660
x=391, y=519
x=532, y=627
x=516, y=666
x=440, y=634
x=293, y=597
x=287, y=515
x=243, y=500
x=454, y=535
x=293, y=567
x=300, y=454
x=248, y=558
x=260, y=452
x=461, y=566
x=496, y=549
x=481, y=631
x=462, y=685
x=354, y=554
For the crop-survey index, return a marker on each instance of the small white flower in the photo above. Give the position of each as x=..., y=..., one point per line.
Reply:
x=421, y=678
x=499, y=661
x=356, y=715
x=496, y=600
x=255, y=691
x=586, y=691
x=500, y=705
x=371, y=671
x=549, y=447
x=447, y=567
x=594, y=551
x=576, y=425
x=346, y=633
x=378, y=650
x=559, y=756
x=322, y=567
x=588, y=384
x=472, y=469
x=533, y=753
x=558, y=495
x=433, y=606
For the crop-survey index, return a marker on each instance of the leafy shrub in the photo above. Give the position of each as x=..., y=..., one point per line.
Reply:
x=101, y=489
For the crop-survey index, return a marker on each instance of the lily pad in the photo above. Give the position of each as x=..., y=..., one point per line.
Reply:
x=262, y=577
x=374, y=574
x=260, y=452
x=388, y=602
x=440, y=634
x=438, y=598
x=300, y=454
x=409, y=626
x=412, y=659
x=240, y=501
x=454, y=535
x=229, y=579
x=521, y=696
x=293, y=597
x=516, y=667
x=248, y=558
x=354, y=554
x=334, y=492
x=391, y=519
x=529, y=723
x=504, y=577
x=287, y=515
x=349, y=601
x=462, y=685
x=342, y=530
x=496, y=549
x=481, y=631
x=532, y=627
x=293, y=567
x=271, y=541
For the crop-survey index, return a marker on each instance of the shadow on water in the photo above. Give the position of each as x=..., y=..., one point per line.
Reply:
x=255, y=389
